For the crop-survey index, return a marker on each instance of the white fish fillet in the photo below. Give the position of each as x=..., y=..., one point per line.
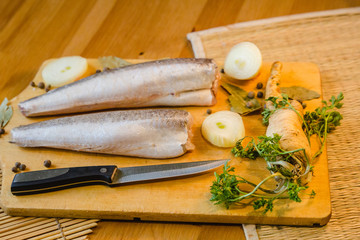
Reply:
x=149, y=133
x=168, y=82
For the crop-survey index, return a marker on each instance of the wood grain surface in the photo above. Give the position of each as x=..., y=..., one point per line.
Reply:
x=35, y=30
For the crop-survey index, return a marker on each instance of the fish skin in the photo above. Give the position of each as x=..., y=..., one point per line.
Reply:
x=148, y=84
x=148, y=133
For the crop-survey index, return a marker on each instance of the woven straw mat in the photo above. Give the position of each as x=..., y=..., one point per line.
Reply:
x=330, y=39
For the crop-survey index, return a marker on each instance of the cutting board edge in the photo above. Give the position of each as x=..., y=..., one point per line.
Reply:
x=173, y=217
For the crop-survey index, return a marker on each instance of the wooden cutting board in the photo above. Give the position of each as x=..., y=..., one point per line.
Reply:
x=183, y=200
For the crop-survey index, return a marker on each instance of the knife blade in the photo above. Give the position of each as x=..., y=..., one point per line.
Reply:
x=34, y=182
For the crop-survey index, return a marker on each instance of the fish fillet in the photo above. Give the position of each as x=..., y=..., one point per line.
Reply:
x=168, y=82
x=149, y=133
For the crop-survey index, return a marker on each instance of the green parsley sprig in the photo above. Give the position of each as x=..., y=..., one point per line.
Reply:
x=323, y=120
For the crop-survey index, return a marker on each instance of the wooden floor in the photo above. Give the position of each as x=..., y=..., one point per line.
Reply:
x=35, y=30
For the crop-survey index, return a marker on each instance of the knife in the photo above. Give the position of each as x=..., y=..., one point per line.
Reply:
x=61, y=178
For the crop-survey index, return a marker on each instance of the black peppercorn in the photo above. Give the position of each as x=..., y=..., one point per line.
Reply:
x=260, y=94
x=32, y=84
x=14, y=169
x=47, y=163
x=41, y=85
x=222, y=70
x=2, y=131
x=249, y=104
x=259, y=85
x=48, y=87
x=17, y=164
x=209, y=111
x=98, y=71
x=22, y=167
x=251, y=95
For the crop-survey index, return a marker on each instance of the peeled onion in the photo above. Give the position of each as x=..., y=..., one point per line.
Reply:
x=223, y=128
x=65, y=70
x=243, y=61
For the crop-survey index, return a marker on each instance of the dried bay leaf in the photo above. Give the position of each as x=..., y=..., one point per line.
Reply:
x=7, y=116
x=300, y=93
x=238, y=99
x=6, y=113
x=113, y=62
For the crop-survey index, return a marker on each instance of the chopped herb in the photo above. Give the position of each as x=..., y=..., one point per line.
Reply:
x=312, y=194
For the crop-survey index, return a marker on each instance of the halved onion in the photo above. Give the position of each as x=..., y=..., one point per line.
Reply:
x=223, y=128
x=65, y=70
x=243, y=61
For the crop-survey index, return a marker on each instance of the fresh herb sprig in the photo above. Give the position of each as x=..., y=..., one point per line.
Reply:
x=323, y=120
x=226, y=190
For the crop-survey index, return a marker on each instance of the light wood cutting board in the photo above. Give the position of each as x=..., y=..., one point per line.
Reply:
x=183, y=200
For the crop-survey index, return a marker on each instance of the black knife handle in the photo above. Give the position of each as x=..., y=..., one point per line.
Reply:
x=61, y=178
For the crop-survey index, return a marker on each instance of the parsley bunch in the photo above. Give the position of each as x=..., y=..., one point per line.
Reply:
x=225, y=190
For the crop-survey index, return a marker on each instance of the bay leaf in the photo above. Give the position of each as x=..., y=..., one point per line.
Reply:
x=5, y=113
x=7, y=116
x=300, y=93
x=2, y=110
x=238, y=99
x=4, y=103
x=113, y=62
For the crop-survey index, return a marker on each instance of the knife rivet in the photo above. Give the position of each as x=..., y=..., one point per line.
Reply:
x=103, y=170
